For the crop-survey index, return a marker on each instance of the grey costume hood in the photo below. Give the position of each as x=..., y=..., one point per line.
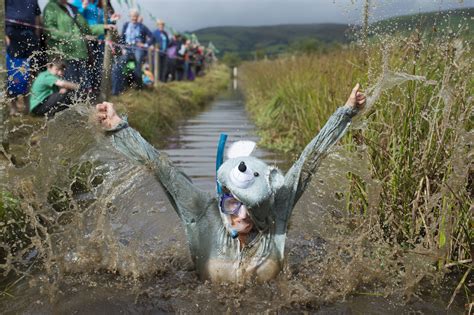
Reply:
x=254, y=183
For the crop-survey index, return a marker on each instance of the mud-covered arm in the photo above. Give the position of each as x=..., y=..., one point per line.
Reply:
x=188, y=201
x=299, y=175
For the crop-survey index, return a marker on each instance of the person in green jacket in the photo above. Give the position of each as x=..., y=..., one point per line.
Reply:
x=66, y=32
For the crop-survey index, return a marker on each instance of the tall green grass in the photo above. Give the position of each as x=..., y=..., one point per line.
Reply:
x=418, y=139
x=418, y=135
x=292, y=98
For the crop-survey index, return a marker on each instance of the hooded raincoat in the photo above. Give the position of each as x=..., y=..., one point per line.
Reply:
x=67, y=33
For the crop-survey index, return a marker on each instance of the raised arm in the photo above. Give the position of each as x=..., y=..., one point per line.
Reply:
x=67, y=85
x=188, y=201
x=299, y=175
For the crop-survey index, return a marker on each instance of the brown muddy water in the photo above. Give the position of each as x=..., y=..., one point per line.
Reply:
x=105, y=239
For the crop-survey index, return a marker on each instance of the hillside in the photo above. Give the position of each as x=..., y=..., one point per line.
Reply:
x=460, y=21
x=270, y=39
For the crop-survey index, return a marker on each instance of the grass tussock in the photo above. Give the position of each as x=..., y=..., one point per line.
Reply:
x=417, y=135
x=155, y=111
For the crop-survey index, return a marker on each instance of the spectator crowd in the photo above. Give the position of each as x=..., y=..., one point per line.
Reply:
x=57, y=55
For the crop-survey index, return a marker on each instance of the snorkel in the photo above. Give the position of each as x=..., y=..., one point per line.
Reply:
x=219, y=160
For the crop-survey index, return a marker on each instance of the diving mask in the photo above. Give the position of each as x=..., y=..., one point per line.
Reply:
x=229, y=204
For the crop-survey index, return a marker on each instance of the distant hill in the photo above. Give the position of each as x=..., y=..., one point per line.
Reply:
x=435, y=23
x=245, y=40
x=271, y=40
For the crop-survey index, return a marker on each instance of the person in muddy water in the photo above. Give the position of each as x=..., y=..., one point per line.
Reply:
x=239, y=233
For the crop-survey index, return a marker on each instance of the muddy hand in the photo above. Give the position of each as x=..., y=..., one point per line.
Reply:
x=356, y=99
x=106, y=115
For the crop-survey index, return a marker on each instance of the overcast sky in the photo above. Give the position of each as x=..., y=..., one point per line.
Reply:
x=187, y=15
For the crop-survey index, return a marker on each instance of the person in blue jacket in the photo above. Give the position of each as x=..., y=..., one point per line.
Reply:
x=161, y=40
x=22, y=40
x=239, y=233
x=137, y=38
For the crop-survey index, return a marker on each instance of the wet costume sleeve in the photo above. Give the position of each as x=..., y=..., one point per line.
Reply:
x=299, y=175
x=187, y=200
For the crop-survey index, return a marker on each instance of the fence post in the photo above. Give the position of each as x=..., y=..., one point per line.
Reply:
x=106, y=82
x=150, y=56
x=156, y=72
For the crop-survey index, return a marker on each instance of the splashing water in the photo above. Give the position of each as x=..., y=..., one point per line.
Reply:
x=95, y=226
x=100, y=227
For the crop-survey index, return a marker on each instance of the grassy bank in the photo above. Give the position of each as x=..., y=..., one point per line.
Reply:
x=416, y=135
x=155, y=111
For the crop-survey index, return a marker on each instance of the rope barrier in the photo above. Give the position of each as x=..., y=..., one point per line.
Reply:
x=94, y=38
x=88, y=37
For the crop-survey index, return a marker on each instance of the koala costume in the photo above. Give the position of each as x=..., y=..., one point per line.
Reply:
x=269, y=195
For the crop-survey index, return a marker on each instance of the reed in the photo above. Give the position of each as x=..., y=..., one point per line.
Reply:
x=417, y=135
x=291, y=98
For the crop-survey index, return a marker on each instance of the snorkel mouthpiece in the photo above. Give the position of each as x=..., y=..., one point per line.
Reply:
x=234, y=234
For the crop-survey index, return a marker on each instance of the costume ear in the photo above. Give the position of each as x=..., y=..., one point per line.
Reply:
x=240, y=148
x=275, y=179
